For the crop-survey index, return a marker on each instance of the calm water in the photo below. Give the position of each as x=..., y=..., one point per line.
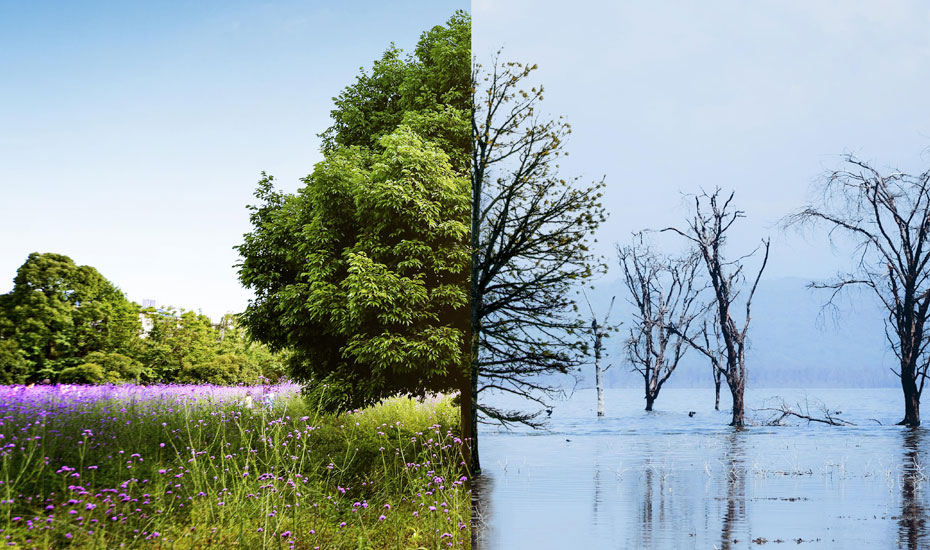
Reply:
x=666, y=480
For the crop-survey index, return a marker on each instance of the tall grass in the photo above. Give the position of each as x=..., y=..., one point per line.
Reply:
x=194, y=467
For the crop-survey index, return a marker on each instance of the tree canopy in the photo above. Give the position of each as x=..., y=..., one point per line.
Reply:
x=67, y=323
x=57, y=313
x=363, y=272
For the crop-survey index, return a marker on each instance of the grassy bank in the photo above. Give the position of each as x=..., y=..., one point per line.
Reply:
x=199, y=466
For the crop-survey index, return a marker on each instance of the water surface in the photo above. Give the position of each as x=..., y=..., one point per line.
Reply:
x=669, y=480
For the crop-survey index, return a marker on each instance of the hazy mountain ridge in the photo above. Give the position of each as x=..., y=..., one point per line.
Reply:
x=794, y=340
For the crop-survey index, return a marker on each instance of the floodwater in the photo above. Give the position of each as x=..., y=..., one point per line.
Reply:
x=667, y=480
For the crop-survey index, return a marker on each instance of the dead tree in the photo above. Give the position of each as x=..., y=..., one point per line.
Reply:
x=888, y=216
x=531, y=232
x=665, y=297
x=598, y=333
x=707, y=231
x=784, y=410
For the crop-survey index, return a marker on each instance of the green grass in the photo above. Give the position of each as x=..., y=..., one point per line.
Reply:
x=179, y=472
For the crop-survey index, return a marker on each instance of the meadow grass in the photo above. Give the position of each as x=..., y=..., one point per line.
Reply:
x=195, y=467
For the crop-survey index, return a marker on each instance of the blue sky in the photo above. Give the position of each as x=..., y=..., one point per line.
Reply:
x=760, y=97
x=132, y=133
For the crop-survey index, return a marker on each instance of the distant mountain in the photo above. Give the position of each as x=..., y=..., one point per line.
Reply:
x=794, y=341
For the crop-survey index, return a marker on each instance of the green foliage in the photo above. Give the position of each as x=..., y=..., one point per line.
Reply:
x=430, y=92
x=14, y=368
x=61, y=317
x=119, y=368
x=85, y=373
x=363, y=273
x=371, y=289
x=226, y=369
x=58, y=312
x=184, y=346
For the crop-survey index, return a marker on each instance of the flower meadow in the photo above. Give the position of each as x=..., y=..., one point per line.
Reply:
x=227, y=467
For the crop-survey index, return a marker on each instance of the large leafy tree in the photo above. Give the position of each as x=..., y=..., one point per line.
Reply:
x=57, y=313
x=363, y=272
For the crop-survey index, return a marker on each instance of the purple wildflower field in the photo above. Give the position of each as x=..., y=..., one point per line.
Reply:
x=194, y=466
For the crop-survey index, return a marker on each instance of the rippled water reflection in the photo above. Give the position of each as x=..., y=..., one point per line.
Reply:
x=667, y=480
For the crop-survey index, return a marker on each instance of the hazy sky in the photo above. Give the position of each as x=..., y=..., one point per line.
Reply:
x=758, y=97
x=132, y=134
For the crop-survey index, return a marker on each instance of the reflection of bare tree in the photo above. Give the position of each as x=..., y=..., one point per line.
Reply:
x=480, y=510
x=912, y=530
x=660, y=519
x=597, y=489
x=736, y=488
x=646, y=516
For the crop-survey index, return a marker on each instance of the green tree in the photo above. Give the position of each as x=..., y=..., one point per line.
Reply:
x=363, y=273
x=58, y=312
x=179, y=341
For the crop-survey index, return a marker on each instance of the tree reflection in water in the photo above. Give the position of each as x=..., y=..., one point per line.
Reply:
x=912, y=522
x=735, y=472
x=480, y=511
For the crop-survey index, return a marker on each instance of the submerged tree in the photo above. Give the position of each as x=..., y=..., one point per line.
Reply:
x=888, y=217
x=664, y=292
x=707, y=231
x=529, y=236
x=599, y=331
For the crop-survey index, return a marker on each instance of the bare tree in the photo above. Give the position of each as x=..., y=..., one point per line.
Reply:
x=707, y=231
x=663, y=291
x=598, y=333
x=888, y=217
x=530, y=232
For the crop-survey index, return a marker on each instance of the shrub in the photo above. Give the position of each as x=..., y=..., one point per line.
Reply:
x=86, y=373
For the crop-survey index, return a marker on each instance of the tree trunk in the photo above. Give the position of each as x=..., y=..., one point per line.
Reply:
x=717, y=390
x=465, y=407
x=911, y=402
x=598, y=375
x=736, y=390
x=650, y=399
x=472, y=419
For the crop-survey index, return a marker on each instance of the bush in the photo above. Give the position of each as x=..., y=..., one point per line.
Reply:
x=13, y=365
x=118, y=367
x=227, y=369
x=86, y=373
